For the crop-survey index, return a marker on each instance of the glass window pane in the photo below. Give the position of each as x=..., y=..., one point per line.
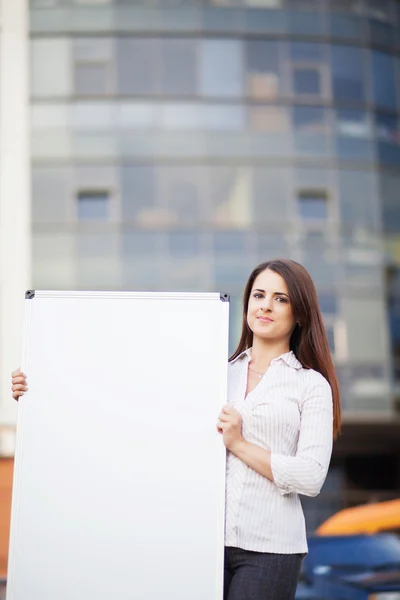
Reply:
x=93, y=205
x=381, y=33
x=184, y=244
x=229, y=242
x=327, y=303
x=309, y=119
x=306, y=81
x=221, y=68
x=270, y=195
x=387, y=128
x=347, y=27
x=313, y=204
x=91, y=79
x=138, y=185
x=229, y=195
x=389, y=195
x=136, y=75
x=262, y=21
x=381, y=10
x=51, y=67
x=268, y=118
x=384, y=89
x=263, y=75
x=388, y=134
x=305, y=22
x=359, y=198
x=354, y=134
x=345, y=6
x=308, y=52
x=178, y=66
x=348, y=83
x=353, y=123
x=222, y=117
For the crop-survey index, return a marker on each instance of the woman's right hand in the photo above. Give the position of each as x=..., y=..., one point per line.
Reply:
x=18, y=384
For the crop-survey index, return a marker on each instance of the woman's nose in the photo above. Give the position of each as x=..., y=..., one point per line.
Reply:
x=267, y=303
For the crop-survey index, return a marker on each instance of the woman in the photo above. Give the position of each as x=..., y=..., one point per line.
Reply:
x=282, y=414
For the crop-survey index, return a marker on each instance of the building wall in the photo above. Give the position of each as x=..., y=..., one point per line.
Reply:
x=175, y=145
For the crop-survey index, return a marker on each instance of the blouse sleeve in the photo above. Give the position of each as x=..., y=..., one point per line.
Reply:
x=305, y=472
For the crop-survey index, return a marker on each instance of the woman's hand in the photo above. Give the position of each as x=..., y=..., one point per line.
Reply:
x=230, y=425
x=18, y=384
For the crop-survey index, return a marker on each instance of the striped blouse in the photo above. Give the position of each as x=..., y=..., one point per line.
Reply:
x=290, y=413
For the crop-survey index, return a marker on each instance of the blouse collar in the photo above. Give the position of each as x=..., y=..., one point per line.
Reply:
x=289, y=358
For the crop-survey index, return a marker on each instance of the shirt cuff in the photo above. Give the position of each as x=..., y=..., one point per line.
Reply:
x=278, y=468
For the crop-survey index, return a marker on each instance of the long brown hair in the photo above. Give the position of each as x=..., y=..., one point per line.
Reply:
x=308, y=341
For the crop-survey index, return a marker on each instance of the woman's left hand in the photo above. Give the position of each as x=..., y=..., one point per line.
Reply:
x=230, y=425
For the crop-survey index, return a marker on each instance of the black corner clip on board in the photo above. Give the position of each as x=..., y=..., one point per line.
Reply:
x=29, y=294
x=224, y=297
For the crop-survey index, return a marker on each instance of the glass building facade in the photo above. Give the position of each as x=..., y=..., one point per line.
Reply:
x=177, y=144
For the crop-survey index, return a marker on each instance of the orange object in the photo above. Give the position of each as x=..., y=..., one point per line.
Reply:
x=6, y=480
x=366, y=519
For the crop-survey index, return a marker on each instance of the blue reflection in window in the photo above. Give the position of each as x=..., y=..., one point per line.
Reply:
x=307, y=22
x=306, y=81
x=140, y=243
x=183, y=244
x=345, y=26
x=93, y=205
x=353, y=134
x=387, y=128
x=387, y=132
x=313, y=204
x=331, y=337
x=381, y=33
x=307, y=51
x=347, y=74
x=353, y=123
x=327, y=303
x=227, y=242
x=384, y=89
x=308, y=118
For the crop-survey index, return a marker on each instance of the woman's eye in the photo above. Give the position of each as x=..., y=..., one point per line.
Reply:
x=281, y=299
x=257, y=296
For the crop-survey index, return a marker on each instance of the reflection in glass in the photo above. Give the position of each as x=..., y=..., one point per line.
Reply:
x=347, y=74
x=262, y=69
x=381, y=10
x=313, y=204
x=178, y=66
x=353, y=123
x=136, y=75
x=383, y=83
x=91, y=79
x=229, y=191
x=93, y=205
x=354, y=134
x=387, y=128
x=229, y=242
x=221, y=71
x=309, y=119
x=347, y=27
x=184, y=244
x=308, y=52
x=327, y=303
x=268, y=118
x=306, y=81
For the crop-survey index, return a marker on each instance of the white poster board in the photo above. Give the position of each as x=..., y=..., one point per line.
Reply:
x=119, y=470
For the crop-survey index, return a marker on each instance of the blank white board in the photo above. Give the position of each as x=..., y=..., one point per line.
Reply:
x=119, y=470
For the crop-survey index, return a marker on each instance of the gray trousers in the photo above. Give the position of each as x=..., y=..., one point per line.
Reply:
x=260, y=575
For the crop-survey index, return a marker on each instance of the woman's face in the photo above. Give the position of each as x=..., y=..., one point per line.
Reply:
x=269, y=313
